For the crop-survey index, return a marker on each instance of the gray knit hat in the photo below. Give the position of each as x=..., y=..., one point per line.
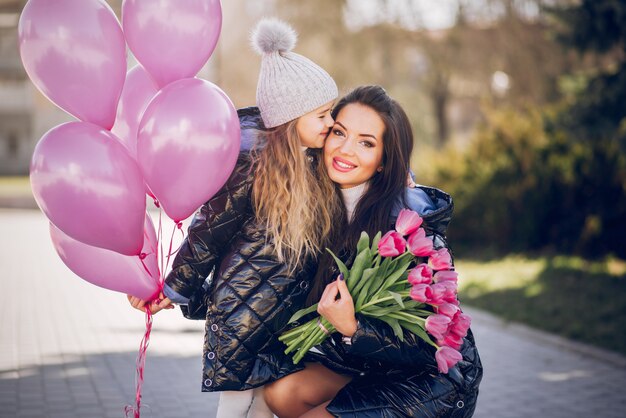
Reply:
x=290, y=85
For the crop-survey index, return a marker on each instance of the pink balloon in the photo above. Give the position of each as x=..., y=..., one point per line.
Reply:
x=74, y=52
x=88, y=185
x=187, y=144
x=172, y=39
x=138, y=90
x=109, y=269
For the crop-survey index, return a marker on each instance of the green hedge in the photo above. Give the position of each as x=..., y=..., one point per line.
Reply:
x=521, y=187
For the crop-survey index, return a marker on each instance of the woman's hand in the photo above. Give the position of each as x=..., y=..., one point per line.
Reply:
x=155, y=306
x=339, y=312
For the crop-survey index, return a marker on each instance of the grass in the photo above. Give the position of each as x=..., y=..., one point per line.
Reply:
x=14, y=186
x=570, y=296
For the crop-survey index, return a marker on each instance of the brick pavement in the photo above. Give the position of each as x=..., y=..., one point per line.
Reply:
x=67, y=349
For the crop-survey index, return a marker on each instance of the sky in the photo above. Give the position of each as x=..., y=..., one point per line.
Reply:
x=413, y=14
x=428, y=14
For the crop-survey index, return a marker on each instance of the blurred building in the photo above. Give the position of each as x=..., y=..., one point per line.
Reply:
x=18, y=98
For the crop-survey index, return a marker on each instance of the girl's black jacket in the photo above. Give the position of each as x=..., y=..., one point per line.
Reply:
x=251, y=296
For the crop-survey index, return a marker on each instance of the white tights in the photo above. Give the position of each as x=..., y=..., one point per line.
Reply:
x=243, y=404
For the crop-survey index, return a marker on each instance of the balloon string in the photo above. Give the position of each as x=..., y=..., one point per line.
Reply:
x=182, y=237
x=179, y=225
x=142, y=257
x=160, y=242
x=140, y=363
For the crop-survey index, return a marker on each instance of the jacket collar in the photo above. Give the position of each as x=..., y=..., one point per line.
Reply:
x=433, y=205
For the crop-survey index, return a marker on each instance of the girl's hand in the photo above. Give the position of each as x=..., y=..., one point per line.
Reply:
x=339, y=312
x=155, y=305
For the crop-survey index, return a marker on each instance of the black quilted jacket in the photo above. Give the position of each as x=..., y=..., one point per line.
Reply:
x=250, y=298
x=392, y=378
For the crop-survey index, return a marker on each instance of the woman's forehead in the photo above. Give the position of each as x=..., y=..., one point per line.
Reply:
x=361, y=120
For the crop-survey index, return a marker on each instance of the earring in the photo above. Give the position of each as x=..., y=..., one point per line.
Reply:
x=380, y=169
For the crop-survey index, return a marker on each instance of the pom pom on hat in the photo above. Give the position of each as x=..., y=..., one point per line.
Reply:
x=290, y=85
x=273, y=35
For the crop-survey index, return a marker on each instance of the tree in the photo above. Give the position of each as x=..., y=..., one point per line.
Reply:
x=597, y=27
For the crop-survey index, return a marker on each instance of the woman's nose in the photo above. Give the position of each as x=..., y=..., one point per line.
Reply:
x=329, y=121
x=346, y=147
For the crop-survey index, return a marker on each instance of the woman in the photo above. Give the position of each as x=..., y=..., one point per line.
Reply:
x=261, y=234
x=364, y=369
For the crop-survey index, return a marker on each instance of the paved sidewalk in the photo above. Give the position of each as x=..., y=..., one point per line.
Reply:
x=68, y=348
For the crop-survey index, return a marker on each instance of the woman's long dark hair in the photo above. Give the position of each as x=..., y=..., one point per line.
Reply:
x=373, y=210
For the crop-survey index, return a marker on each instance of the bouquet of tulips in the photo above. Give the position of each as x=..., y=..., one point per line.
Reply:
x=422, y=299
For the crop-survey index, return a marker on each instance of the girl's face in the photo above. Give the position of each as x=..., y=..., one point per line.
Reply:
x=314, y=126
x=354, y=149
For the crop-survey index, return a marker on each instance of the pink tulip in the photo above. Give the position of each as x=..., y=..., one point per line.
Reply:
x=421, y=293
x=421, y=274
x=419, y=245
x=441, y=259
x=447, y=357
x=446, y=275
x=391, y=244
x=460, y=324
x=440, y=291
x=451, y=340
x=449, y=292
x=437, y=325
x=448, y=309
x=408, y=221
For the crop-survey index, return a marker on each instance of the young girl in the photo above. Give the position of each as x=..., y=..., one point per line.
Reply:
x=261, y=234
x=365, y=370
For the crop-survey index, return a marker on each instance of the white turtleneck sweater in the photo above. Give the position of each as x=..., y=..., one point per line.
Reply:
x=351, y=197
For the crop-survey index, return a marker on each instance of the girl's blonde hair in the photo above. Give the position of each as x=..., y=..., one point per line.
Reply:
x=296, y=207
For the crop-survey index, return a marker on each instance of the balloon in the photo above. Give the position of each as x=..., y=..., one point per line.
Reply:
x=88, y=185
x=187, y=144
x=109, y=269
x=138, y=89
x=172, y=39
x=74, y=52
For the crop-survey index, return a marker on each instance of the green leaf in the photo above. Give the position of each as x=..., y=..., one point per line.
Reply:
x=362, y=293
x=393, y=323
x=364, y=242
x=362, y=260
x=398, y=298
x=368, y=273
x=375, y=241
x=340, y=264
x=395, y=275
x=382, y=270
x=303, y=312
x=379, y=311
x=411, y=305
x=417, y=330
x=400, y=286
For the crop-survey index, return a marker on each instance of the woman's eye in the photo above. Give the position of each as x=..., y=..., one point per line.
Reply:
x=337, y=132
x=367, y=144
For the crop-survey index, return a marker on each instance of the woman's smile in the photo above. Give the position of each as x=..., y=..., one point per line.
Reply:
x=342, y=165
